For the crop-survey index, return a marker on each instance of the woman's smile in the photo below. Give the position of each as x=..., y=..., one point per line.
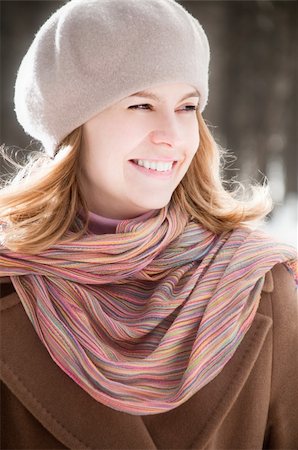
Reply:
x=161, y=174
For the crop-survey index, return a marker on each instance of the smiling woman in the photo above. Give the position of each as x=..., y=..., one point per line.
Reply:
x=135, y=281
x=132, y=159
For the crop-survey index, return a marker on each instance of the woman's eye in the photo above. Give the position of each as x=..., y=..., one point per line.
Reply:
x=191, y=107
x=143, y=106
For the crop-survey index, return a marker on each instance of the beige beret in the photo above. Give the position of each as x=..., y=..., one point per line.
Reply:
x=92, y=53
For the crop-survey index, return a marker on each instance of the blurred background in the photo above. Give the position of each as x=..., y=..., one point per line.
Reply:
x=252, y=109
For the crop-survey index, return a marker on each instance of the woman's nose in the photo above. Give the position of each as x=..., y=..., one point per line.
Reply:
x=166, y=130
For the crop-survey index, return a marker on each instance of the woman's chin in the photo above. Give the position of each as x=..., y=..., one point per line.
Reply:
x=154, y=203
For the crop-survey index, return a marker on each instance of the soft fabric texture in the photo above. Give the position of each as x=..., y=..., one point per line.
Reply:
x=251, y=404
x=91, y=53
x=144, y=318
x=98, y=224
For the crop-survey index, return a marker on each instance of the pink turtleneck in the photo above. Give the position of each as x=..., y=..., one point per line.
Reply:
x=103, y=225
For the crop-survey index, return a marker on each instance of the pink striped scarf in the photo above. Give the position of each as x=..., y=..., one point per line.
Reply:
x=144, y=318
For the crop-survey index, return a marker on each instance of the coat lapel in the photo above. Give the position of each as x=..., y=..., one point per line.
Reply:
x=78, y=421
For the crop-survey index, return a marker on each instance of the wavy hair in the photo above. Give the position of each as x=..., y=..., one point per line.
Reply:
x=39, y=203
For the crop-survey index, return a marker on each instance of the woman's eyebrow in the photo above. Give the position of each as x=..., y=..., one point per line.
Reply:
x=149, y=94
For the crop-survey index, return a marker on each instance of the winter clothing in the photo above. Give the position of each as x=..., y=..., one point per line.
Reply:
x=144, y=318
x=251, y=404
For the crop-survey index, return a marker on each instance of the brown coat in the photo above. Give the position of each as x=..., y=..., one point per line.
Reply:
x=251, y=404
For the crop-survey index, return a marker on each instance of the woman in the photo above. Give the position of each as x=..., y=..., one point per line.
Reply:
x=161, y=317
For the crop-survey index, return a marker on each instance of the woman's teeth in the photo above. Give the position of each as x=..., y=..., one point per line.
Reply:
x=153, y=165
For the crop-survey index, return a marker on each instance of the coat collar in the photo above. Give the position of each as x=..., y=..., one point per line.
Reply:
x=78, y=421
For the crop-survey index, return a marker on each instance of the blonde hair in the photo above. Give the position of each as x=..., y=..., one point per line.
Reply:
x=38, y=206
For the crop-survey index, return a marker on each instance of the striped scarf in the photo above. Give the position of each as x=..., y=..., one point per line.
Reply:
x=144, y=318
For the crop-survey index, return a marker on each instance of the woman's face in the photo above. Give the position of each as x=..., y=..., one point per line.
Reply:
x=158, y=126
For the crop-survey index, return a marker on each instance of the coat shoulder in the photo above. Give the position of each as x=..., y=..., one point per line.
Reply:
x=279, y=300
x=278, y=276
x=283, y=288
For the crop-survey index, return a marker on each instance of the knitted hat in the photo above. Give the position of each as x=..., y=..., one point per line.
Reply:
x=92, y=53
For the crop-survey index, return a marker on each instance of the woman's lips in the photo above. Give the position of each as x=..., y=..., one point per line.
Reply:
x=154, y=173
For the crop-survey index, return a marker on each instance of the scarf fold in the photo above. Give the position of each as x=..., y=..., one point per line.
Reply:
x=144, y=318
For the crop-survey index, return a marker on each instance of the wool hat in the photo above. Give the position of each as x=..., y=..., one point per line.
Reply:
x=92, y=53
